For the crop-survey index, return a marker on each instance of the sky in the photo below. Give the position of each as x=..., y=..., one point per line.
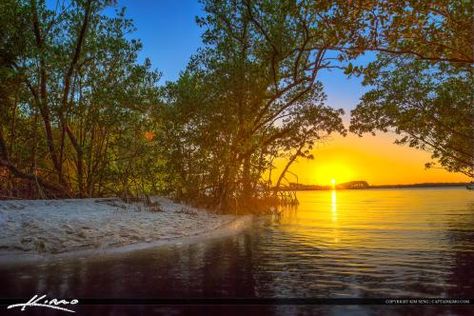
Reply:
x=170, y=35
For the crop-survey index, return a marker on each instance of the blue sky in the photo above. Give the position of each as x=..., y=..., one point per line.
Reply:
x=170, y=35
x=168, y=31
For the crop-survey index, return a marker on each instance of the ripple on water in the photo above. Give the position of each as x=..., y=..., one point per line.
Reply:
x=373, y=243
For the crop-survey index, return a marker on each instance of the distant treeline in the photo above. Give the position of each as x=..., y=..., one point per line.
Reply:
x=81, y=117
x=420, y=185
x=350, y=186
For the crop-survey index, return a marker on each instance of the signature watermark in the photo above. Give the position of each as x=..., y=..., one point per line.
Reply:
x=41, y=301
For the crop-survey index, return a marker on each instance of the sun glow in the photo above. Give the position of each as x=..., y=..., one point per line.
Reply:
x=374, y=159
x=327, y=173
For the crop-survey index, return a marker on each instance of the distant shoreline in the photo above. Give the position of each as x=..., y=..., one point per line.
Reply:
x=303, y=187
x=418, y=185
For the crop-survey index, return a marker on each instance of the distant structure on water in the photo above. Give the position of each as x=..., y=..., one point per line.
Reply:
x=353, y=185
x=346, y=185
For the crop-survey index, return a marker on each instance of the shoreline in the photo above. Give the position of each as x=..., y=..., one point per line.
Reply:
x=236, y=226
x=90, y=227
x=379, y=187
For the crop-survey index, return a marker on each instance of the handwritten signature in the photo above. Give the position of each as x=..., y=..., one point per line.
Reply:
x=40, y=301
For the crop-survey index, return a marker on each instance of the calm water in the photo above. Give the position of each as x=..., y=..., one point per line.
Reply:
x=359, y=243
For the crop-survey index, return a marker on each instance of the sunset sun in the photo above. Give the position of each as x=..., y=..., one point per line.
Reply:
x=333, y=172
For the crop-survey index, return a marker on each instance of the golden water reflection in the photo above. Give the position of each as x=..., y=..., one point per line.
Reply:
x=334, y=205
x=379, y=218
x=393, y=241
x=334, y=215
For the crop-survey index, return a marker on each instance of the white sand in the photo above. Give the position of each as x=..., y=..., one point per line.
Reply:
x=60, y=226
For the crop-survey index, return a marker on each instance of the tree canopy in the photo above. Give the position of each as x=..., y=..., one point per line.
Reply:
x=80, y=116
x=421, y=83
x=74, y=99
x=249, y=96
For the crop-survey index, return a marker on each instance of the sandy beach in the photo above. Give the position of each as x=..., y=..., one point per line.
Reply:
x=42, y=227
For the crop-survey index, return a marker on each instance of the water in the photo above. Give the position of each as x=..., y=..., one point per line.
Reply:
x=338, y=244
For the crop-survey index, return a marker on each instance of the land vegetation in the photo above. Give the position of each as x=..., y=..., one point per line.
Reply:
x=357, y=185
x=81, y=117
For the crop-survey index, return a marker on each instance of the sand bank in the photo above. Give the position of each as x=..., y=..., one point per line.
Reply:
x=40, y=228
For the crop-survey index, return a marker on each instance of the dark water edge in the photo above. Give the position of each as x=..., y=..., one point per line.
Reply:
x=310, y=252
x=220, y=268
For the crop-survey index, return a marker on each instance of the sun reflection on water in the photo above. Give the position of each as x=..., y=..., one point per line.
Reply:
x=334, y=206
x=334, y=216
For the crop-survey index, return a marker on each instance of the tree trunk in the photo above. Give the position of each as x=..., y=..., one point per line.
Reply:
x=290, y=162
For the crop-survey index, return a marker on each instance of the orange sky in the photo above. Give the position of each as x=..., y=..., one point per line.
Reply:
x=372, y=158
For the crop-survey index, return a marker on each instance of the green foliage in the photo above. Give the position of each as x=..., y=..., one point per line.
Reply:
x=429, y=105
x=439, y=30
x=422, y=79
x=248, y=97
x=79, y=116
x=79, y=104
